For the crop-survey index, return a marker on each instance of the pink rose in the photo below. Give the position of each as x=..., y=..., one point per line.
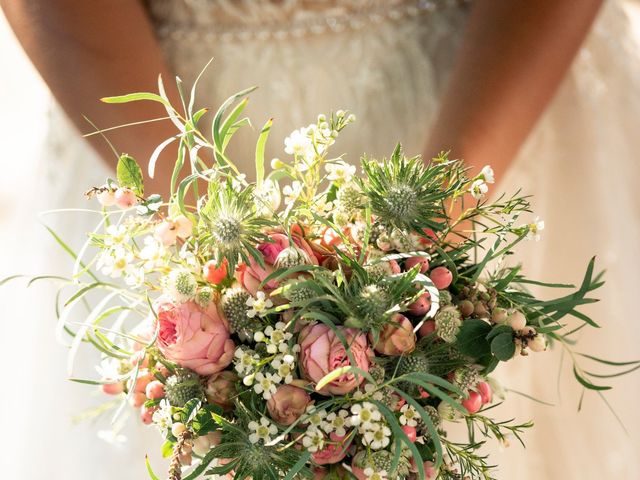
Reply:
x=192, y=337
x=396, y=338
x=288, y=403
x=334, y=452
x=221, y=388
x=321, y=352
x=252, y=275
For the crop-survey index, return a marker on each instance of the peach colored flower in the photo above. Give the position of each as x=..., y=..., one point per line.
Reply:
x=287, y=404
x=321, y=352
x=396, y=338
x=193, y=337
x=221, y=388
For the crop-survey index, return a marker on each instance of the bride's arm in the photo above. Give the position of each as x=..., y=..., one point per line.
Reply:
x=85, y=50
x=513, y=56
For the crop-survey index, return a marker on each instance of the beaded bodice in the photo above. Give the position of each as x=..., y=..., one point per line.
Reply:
x=382, y=59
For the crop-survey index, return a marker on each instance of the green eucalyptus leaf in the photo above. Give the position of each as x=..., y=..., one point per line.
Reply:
x=503, y=346
x=472, y=338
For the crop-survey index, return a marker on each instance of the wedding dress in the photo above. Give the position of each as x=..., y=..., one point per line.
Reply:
x=387, y=61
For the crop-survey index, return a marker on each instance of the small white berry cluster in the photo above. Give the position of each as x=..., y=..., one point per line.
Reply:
x=371, y=426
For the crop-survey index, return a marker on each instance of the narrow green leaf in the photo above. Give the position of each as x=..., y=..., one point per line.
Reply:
x=260, y=146
x=299, y=465
x=136, y=97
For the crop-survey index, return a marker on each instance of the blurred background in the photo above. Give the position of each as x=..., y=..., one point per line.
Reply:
x=28, y=340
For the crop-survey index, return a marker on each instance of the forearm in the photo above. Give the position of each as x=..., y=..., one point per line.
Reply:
x=513, y=56
x=86, y=50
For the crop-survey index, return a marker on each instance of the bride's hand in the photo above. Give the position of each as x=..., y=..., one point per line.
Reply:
x=513, y=56
x=86, y=50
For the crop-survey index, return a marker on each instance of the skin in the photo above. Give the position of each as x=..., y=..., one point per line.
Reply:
x=513, y=56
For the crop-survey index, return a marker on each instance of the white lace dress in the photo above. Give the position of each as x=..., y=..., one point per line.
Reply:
x=386, y=61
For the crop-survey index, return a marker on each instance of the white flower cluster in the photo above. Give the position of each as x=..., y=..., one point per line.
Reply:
x=322, y=424
x=248, y=363
x=371, y=425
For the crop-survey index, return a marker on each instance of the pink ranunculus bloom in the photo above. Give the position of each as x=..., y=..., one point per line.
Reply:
x=321, y=352
x=252, y=274
x=334, y=451
x=288, y=403
x=192, y=337
x=396, y=338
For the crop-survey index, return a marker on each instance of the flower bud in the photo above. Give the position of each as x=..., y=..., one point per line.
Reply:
x=221, y=388
x=288, y=404
x=396, y=338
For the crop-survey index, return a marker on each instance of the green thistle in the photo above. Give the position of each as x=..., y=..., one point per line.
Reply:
x=407, y=194
x=182, y=387
x=234, y=307
x=230, y=224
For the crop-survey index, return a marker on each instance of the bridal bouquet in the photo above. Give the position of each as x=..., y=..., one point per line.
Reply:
x=324, y=321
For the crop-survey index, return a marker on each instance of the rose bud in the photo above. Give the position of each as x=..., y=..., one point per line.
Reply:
x=421, y=306
x=214, y=273
x=154, y=390
x=427, y=328
x=441, y=277
x=413, y=261
x=221, y=388
x=410, y=432
x=146, y=414
x=473, y=403
x=485, y=392
x=333, y=452
x=288, y=403
x=321, y=352
x=396, y=338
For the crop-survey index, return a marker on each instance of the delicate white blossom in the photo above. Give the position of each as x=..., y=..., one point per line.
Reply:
x=340, y=172
x=535, y=228
x=478, y=189
x=276, y=338
x=264, y=431
x=313, y=440
x=292, y=192
x=245, y=360
x=487, y=174
x=337, y=423
x=284, y=365
x=266, y=384
x=163, y=417
x=408, y=416
x=376, y=436
x=258, y=305
x=373, y=475
x=365, y=415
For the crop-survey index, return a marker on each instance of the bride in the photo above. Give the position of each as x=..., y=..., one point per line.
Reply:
x=512, y=84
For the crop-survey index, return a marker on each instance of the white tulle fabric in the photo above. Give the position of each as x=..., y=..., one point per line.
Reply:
x=387, y=61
